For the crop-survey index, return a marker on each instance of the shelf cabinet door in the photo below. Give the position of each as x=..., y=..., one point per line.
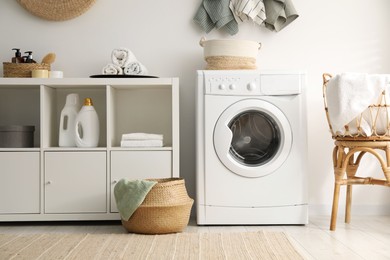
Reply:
x=134, y=165
x=75, y=182
x=19, y=185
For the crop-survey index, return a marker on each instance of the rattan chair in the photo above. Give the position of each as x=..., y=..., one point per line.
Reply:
x=349, y=150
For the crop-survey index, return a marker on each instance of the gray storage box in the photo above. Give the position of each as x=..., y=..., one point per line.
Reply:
x=17, y=136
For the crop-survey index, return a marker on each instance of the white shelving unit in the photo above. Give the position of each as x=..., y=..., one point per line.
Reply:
x=48, y=182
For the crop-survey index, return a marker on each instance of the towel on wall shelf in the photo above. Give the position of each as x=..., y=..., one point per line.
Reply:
x=248, y=9
x=216, y=14
x=135, y=68
x=279, y=13
x=122, y=57
x=112, y=69
x=349, y=95
x=129, y=195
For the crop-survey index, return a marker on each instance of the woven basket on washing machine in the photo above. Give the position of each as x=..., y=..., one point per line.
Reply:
x=222, y=54
x=166, y=209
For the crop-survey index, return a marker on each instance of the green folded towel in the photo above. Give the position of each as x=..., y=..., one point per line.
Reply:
x=279, y=13
x=216, y=13
x=130, y=194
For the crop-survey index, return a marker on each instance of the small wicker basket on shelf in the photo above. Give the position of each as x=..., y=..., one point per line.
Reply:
x=166, y=209
x=22, y=70
x=378, y=115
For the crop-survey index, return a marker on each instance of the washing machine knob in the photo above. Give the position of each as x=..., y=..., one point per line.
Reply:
x=232, y=86
x=221, y=86
x=251, y=86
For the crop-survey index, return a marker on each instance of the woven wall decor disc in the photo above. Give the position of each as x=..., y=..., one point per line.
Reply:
x=57, y=10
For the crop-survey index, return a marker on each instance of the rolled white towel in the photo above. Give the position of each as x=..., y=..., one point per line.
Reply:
x=142, y=143
x=141, y=136
x=135, y=68
x=122, y=57
x=112, y=69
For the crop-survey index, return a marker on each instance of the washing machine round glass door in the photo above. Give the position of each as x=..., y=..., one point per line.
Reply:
x=252, y=138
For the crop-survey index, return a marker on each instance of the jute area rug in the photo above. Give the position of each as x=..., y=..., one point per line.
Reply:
x=246, y=245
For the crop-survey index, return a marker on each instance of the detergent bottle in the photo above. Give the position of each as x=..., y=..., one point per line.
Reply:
x=67, y=121
x=87, y=126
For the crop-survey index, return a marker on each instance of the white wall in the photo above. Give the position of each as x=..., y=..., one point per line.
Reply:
x=329, y=36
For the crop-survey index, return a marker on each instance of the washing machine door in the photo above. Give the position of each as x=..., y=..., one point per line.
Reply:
x=252, y=138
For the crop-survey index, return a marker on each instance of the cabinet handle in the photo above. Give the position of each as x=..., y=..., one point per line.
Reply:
x=48, y=182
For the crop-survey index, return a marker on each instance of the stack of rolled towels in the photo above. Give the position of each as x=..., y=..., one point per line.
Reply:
x=142, y=140
x=123, y=62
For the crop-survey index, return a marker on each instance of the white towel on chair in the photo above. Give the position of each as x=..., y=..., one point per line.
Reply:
x=349, y=94
x=122, y=57
x=112, y=69
x=135, y=68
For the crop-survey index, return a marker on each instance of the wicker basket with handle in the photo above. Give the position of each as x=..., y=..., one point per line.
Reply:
x=377, y=113
x=22, y=70
x=166, y=209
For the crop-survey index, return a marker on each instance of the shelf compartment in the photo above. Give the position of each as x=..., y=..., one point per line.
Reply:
x=133, y=165
x=144, y=109
x=19, y=186
x=19, y=105
x=75, y=182
x=54, y=98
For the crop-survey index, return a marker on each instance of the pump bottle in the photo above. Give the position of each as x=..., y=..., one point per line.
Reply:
x=18, y=56
x=29, y=58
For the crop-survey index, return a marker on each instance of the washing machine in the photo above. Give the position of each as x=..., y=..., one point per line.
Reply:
x=251, y=148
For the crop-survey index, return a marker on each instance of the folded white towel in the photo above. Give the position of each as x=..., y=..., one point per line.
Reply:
x=248, y=9
x=141, y=143
x=135, y=68
x=122, y=57
x=112, y=69
x=142, y=136
x=349, y=94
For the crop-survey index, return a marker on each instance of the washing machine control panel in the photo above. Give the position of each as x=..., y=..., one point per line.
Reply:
x=233, y=85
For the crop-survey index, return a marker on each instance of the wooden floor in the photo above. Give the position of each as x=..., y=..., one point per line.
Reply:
x=367, y=237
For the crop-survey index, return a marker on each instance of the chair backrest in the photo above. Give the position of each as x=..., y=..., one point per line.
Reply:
x=376, y=117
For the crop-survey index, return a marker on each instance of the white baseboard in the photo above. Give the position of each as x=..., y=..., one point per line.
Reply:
x=363, y=210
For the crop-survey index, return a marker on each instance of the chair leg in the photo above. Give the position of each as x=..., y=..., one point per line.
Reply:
x=348, y=204
x=351, y=172
x=335, y=206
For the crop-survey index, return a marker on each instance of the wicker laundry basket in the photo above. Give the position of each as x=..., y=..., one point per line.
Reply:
x=22, y=70
x=166, y=209
x=377, y=115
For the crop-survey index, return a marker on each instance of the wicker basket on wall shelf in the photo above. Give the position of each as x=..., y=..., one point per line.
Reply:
x=22, y=70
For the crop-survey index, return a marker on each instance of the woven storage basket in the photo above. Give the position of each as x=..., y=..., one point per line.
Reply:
x=166, y=209
x=22, y=70
x=223, y=54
